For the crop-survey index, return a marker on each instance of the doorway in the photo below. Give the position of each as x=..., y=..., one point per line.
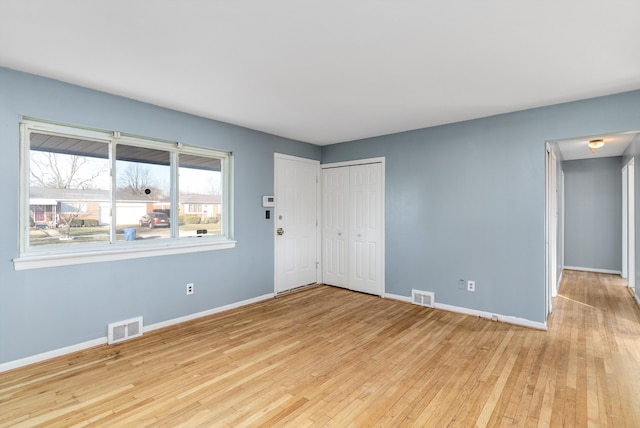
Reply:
x=606, y=213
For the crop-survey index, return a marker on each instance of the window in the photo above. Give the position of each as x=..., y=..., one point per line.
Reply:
x=98, y=194
x=194, y=209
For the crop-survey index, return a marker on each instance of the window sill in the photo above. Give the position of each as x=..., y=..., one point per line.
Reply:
x=37, y=261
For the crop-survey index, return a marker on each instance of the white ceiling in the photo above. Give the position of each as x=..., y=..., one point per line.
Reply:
x=327, y=71
x=577, y=148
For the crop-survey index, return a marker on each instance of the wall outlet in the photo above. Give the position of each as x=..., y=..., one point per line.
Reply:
x=190, y=288
x=471, y=285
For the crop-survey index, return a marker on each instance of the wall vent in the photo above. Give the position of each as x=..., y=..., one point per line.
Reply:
x=123, y=330
x=423, y=298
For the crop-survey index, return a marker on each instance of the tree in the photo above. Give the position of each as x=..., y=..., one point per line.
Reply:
x=62, y=171
x=136, y=179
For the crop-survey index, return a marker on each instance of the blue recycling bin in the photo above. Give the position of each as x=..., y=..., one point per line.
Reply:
x=130, y=234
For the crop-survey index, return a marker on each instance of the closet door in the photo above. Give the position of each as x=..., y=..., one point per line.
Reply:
x=365, y=237
x=352, y=207
x=335, y=227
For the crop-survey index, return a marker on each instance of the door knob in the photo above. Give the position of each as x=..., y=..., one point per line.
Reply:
x=280, y=231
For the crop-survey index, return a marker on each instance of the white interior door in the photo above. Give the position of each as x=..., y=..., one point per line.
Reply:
x=365, y=228
x=335, y=225
x=296, y=197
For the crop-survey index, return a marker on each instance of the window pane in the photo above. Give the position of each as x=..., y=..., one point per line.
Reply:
x=143, y=196
x=200, y=196
x=68, y=190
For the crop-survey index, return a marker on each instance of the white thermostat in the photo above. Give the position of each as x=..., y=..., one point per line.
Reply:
x=268, y=201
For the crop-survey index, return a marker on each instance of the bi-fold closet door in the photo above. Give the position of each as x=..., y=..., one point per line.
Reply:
x=352, y=229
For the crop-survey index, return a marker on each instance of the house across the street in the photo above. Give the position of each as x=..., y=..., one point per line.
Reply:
x=51, y=207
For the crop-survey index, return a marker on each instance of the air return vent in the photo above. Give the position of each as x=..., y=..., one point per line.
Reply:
x=123, y=330
x=423, y=298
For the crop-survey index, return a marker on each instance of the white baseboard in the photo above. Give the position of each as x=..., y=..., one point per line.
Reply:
x=208, y=312
x=51, y=354
x=397, y=297
x=584, y=269
x=502, y=318
x=103, y=340
x=488, y=315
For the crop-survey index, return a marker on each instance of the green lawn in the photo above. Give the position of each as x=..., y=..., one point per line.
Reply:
x=101, y=233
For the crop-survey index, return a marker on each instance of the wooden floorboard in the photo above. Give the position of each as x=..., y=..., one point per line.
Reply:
x=324, y=356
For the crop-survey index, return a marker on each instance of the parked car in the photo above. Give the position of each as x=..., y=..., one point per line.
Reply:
x=155, y=220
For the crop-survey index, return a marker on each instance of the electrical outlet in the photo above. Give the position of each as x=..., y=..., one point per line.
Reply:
x=190, y=288
x=471, y=285
x=461, y=284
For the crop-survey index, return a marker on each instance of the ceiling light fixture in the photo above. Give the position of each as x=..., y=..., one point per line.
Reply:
x=595, y=144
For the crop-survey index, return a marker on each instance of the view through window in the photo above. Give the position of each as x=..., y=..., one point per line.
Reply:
x=90, y=189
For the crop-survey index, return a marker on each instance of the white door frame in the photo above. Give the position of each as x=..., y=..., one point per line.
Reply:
x=551, y=228
x=318, y=208
x=563, y=224
x=630, y=223
x=380, y=160
x=625, y=213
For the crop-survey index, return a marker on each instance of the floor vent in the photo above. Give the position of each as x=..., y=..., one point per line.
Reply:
x=423, y=298
x=123, y=330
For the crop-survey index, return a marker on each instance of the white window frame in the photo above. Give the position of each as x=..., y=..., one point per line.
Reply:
x=51, y=256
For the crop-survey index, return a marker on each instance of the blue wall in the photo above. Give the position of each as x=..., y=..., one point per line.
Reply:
x=467, y=200
x=593, y=222
x=47, y=309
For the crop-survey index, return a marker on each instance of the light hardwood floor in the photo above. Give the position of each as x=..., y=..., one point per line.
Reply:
x=327, y=356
